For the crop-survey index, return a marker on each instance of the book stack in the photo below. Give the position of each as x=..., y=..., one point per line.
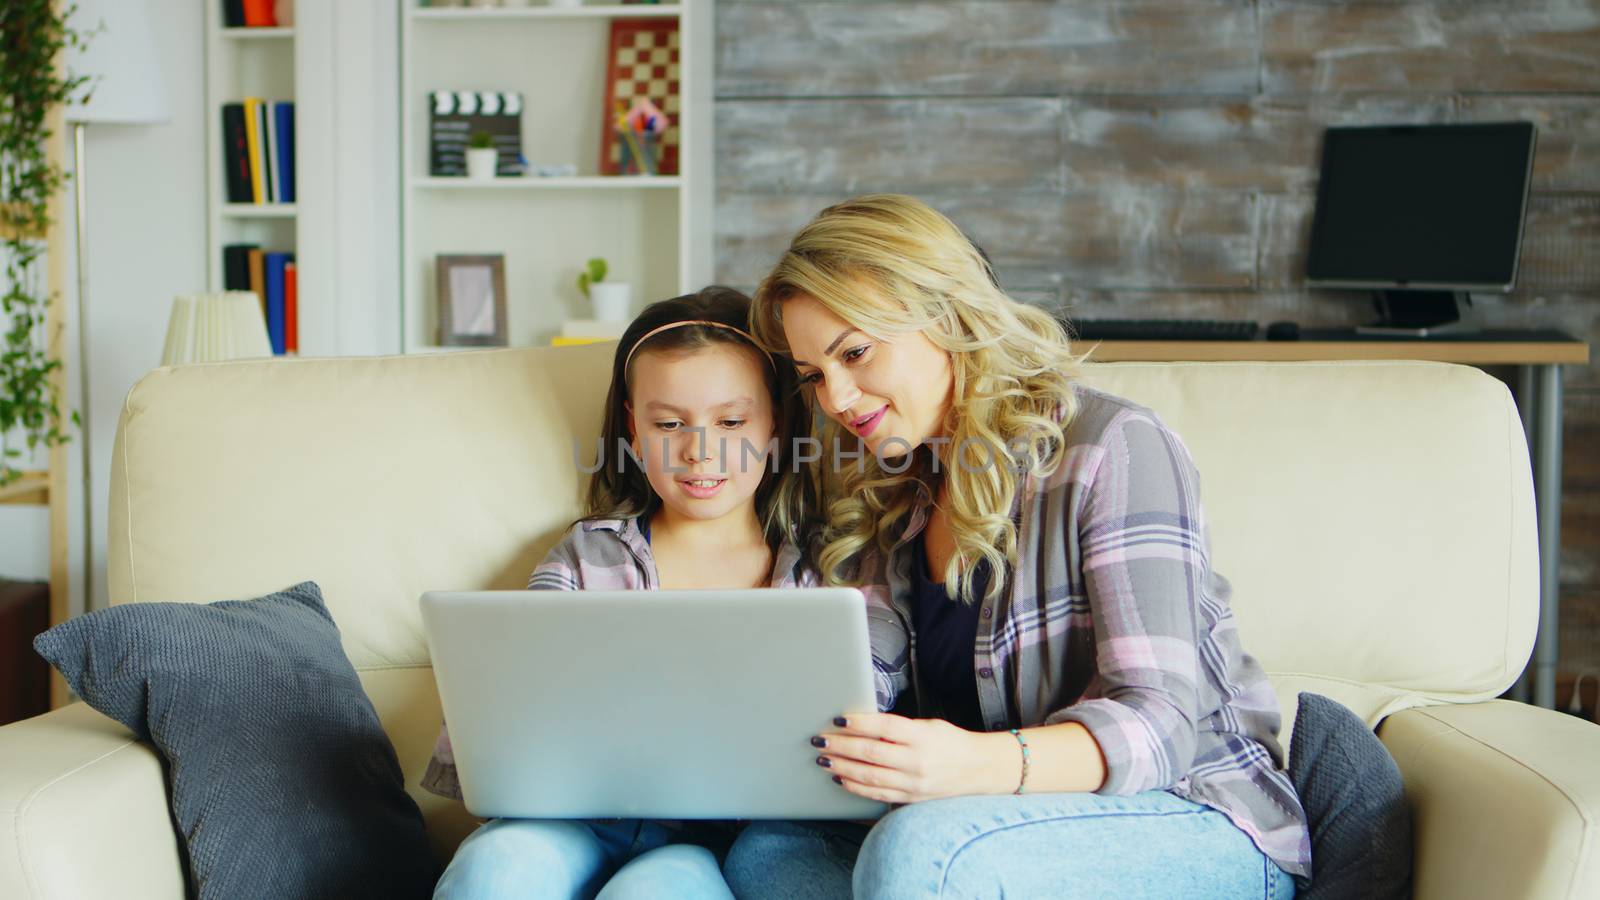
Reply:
x=588, y=331
x=273, y=278
x=258, y=151
x=257, y=13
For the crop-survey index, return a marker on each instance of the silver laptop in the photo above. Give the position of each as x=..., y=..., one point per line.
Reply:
x=649, y=704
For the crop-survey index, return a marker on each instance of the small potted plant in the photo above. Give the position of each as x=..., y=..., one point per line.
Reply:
x=482, y=157
x=611, y=299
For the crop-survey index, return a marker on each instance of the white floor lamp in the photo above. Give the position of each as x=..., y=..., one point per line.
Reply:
x=126, y=87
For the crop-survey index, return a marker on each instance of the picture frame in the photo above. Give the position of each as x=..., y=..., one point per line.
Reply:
x=470, y=293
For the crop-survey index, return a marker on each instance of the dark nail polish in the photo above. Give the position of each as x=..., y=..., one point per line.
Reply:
x=838, y=780
x=818, y=742
x=824, y=762
x=839, y=721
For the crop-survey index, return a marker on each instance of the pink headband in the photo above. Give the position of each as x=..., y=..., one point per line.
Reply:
x=671, y=325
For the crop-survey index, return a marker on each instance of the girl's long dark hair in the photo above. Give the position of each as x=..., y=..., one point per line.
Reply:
x=786, y=501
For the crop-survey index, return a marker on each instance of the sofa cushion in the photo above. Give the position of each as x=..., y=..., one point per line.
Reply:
x=1355, y=805
x=281, y=779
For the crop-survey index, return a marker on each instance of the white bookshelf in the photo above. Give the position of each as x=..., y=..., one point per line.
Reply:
x=655, y=232
x=240, y=63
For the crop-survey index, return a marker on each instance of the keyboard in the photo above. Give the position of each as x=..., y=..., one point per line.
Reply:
x=1162, y=329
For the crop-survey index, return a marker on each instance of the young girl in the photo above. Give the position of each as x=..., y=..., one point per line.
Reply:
x=692, y=500
x=1090, y=724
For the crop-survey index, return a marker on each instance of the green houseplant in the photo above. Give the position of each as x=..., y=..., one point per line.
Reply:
x=32, y=34
x=482, y=157
x=594, y=272
x=610, y=299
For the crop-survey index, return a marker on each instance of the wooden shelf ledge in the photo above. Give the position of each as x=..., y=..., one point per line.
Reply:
x=609, y=11
x=32, y=489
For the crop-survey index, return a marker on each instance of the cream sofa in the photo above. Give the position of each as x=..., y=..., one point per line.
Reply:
x=1376, y=521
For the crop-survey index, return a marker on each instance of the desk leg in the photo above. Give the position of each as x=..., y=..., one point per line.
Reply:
x=1547, y=497
x=1527, y=405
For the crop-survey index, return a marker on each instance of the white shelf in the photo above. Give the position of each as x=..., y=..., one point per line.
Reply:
x=627, y=11
x=249, y=34
x=655, y=231
x=582, y=182
x=259, y=210
x=248, y=62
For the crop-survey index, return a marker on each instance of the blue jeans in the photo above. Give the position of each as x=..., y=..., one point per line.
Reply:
x=611, y=860
x=1153, y=845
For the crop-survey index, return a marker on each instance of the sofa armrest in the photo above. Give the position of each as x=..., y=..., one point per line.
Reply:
x=83, y=811
x=1505, y=799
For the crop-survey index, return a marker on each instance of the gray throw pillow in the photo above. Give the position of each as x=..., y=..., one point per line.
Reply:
x=282, y=781
x=1355, y=804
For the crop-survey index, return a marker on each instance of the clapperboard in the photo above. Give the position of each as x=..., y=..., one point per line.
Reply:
x=458, y=115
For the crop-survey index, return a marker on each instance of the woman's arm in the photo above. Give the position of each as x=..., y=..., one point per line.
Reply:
x=1146, y=567
x=894, y=759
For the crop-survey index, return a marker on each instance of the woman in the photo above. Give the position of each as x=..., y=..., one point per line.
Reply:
x=1088, y=722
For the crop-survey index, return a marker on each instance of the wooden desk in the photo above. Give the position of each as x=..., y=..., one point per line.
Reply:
x=1538, y=357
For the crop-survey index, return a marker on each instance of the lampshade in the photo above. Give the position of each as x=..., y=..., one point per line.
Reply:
x=215, y=327
x=126, y=82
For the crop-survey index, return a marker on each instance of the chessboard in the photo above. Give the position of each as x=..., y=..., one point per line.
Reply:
x=643, y=63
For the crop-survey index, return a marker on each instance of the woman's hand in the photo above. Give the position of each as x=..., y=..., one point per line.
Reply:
x=894, y=759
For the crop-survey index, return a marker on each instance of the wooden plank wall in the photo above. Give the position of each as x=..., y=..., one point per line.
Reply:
x=1158, y=157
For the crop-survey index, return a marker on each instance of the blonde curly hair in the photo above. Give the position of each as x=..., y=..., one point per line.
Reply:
x=890, y=265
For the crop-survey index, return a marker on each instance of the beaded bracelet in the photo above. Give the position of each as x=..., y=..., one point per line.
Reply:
x=1023, y=742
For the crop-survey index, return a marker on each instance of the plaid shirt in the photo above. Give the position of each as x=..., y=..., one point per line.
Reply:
x=614, y=555
x=1114, y=618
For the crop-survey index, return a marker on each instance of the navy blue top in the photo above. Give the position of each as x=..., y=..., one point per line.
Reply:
x=946, y=633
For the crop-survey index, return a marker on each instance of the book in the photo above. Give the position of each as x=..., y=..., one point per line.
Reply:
x=274, y=265
x=236, y=266
x=233, y=13
x=258, y=277
x=291, y=307
x=285, y=135
x=595, y=329
x=236, y=153
x=252, y=130
x=258, y=14
x=269, y=124
x=267, y=190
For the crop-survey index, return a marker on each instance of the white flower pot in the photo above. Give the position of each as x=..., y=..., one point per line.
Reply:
x=611, y=301
x=481, y=162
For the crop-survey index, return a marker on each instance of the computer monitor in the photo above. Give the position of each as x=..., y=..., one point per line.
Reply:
x=1421, y=215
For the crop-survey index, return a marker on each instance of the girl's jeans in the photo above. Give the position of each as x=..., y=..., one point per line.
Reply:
x=610, y=859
